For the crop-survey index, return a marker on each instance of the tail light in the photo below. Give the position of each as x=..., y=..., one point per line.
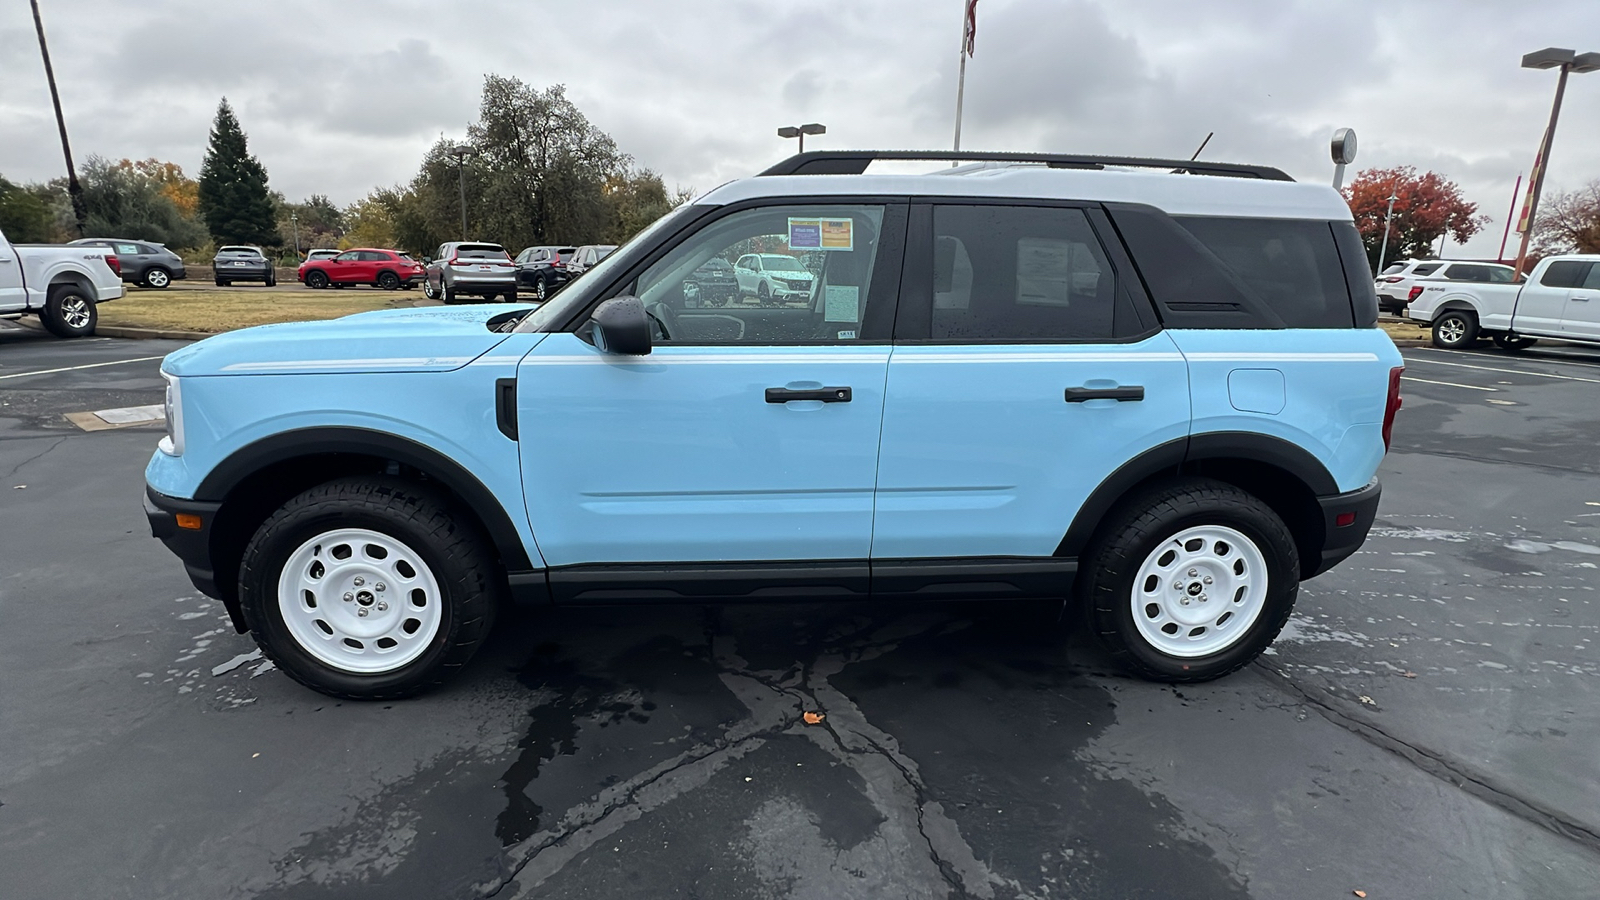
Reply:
x=1392, y=405
x=1416, y=291
x=1395, y=278
x=114, y=263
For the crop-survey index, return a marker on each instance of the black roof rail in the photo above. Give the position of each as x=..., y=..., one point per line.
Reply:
x=855, y=162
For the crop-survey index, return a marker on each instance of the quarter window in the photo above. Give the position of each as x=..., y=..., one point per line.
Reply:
x=804, y=276
x=1291, y=264
x=1015, y=273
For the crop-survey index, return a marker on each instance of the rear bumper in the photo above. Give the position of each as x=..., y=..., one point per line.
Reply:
x=1358, y=509
x=192, y=546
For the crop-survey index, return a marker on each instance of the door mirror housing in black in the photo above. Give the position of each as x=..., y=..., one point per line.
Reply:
x=622, y=326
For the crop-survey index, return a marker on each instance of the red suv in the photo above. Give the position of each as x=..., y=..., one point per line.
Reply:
x=388, y=269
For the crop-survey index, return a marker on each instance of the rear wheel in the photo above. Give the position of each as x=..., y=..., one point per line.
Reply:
x=1190, y=581
x=1455, y=329
x=389, y=281
x=317, y=279
x=447, y=292
x=368, y=588
x=69, y=312
x=541, y=288
x=272, y=279
x=223, y=282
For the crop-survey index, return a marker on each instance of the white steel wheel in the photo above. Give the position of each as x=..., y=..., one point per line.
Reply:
x=360, y=601
x=1199, y=591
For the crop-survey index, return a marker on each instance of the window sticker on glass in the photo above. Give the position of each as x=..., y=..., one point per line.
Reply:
x=1044, y=272
x=821, y=234
x=842, y=303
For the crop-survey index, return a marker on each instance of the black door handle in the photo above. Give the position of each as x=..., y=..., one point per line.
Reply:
x=1079, y=395
x=826, y=395
x=505, y=406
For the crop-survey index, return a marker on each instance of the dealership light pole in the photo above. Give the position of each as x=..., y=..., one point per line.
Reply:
x=800, y=131
x=1568, y=61
x=460, y=152
x=1389, y=216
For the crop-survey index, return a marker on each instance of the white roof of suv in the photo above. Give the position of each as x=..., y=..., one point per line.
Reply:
x=1176, y=194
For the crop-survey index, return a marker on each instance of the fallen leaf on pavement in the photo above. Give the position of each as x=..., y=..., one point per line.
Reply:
x=1368, y=700
x=1359, y=893
x=812, y=718
x=1408, y=674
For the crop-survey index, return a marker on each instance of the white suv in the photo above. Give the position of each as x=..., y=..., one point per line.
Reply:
x=773, y=276
x=1396, y=283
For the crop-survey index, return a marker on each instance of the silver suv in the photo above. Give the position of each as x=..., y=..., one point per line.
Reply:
x=476, y=269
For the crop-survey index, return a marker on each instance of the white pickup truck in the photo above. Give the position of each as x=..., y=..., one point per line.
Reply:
x=61, y=284
x=1560, y=299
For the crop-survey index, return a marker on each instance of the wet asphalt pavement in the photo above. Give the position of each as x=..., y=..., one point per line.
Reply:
x=1426, y=727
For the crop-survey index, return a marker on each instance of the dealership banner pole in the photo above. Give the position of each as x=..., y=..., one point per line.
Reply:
x=969, y=31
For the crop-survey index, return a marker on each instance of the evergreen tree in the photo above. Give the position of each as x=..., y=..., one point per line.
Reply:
x=234, y=199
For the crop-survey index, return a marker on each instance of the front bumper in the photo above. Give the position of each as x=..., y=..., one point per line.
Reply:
x=191, y=545
x=1358, y=509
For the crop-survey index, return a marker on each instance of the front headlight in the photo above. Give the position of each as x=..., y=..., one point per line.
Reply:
x=172, y=444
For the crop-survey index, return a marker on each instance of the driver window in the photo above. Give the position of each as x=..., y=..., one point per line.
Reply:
x=778, y=275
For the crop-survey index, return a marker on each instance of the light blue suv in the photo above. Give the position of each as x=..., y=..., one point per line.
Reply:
x=1158, y=394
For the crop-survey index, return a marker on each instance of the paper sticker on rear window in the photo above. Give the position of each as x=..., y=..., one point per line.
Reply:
x=821, y=234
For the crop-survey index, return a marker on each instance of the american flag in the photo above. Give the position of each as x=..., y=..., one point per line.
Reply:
x=970, y=33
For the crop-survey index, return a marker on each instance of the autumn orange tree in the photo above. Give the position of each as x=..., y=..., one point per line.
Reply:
x=1426, y=206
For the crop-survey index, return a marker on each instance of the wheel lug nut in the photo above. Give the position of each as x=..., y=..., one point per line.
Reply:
x=381, y=586
x=1192, y=573
x=348, y=596
x=1206, y=579
x=360, y=581
x=384, y=607
x=362, y=612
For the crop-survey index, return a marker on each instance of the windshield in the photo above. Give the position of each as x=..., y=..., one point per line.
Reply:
x=782, y=264
x=583, y=289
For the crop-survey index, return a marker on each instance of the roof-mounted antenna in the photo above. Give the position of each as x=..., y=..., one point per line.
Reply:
x=1202, y=146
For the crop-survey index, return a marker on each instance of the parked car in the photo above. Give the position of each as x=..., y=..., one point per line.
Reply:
x=61, y=284
x=237, y=262
x=321, y=253
x=544, y=269
x=772, y=276
x=475, y=269
x=1161, y=396
x=586, y=257
x=387, y=269
x=1560, y=299
x=1394, y=285
x=713, y=284
x=142, y=262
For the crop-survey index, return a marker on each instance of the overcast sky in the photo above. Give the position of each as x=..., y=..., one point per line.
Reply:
x=339, y=98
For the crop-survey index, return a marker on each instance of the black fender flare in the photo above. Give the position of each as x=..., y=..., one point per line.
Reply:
x=1171, y=457
x=247, y=460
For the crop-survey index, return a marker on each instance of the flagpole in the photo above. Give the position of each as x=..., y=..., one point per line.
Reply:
x=961, y=88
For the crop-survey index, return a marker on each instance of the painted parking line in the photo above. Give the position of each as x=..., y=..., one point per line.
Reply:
x=114, y=362
x=1440, y=362
x=1547, y=355
x=1470, y=387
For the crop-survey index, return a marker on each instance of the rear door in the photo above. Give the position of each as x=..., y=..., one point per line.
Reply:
x=12, y=296
x=1542, y=303
x=1024, y=373
x=1581, y=317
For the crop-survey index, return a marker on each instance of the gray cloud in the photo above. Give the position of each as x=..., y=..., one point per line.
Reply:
x=341, y=98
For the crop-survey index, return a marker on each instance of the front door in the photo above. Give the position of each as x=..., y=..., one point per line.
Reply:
x=1542, y=302
x=1024, y=373
x=747, y=435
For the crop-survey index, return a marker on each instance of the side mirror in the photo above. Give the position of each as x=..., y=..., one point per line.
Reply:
x=622, y=326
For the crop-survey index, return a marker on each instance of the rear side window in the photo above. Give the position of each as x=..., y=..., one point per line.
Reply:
x=1567, y=273
x=1395, y=269
x=1015, y=273
x=1290, y=264
x=1426, y=269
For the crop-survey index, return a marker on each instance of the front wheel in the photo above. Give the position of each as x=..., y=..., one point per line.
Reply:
x=316, y=279
x=69, y=312
x=1455, y=329
x=1514, y=343
x=1190, y=581
x=157, y=277
x=428, y=291
x=368, y=588
x=541, y=289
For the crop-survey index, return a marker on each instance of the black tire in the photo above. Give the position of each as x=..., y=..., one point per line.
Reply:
x=446, y=539
x=1455, y=329
x=541, y=288
x=1133, y=534
x=223, y=282
x=272, y=279
x=316, y=279
x=156, y=277
x=389, y=281
x=762, y=293
x=428, y=291
x=1514, y=343
x=447, y=292
x=69, y=312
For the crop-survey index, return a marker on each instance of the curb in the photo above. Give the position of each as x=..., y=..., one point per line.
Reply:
x=118, y=331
